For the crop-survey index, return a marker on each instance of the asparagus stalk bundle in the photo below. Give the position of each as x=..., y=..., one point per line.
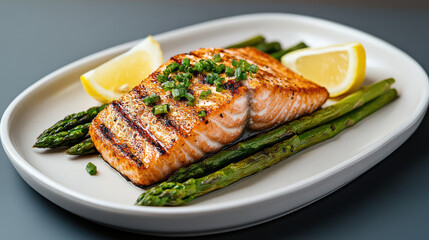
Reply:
x=298, y=126
x=85, y=147
x=175, y=193
x=279, y=54
x=72, y=121
x=64, y=138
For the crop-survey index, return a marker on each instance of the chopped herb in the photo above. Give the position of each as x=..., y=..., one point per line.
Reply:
x=235, y=63
x=190, y=98
x=172, y=67
x=198, y=67
x=151, y=99
x=185, y=84
x=177, y=93
x=182, y=76
x=167, y=86
x=205, y=94
x=161, y=109
x=229, y=71
x=211, y=77
x=220, y=68
x=211, y=63
x=241, y=63
x=91, y=168
x=186, y=62
x=162, y=78
x=202, y=113
x=253, y=68
x=237, y=74
x=217, y=58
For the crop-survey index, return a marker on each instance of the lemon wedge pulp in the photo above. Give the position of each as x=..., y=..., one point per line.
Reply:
x=112, y=79
x=338, y=68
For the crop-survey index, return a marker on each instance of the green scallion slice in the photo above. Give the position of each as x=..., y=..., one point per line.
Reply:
x=172, y=67
x=167, y=86
x=217, y=58
x=198, y=67
x=253, y=68
x=161, y=109
x=205, y=94
x=186, y=62
x=211, y=77
x=220, y=68
x=151, y=99
x=237, y=74
x=202, y=113
x=229, y=71
x=162, y=78
x=91, y=168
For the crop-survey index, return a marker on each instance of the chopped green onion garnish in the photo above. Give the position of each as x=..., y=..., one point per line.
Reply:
x=205, y=94
x=182, y=76
x=161, y=109
x=234, y=63
x=162, y=78
x=217, y=58
x=172, y=67
x=151, y=99
x=185, y=84
x=219, y=84
x=212, y=77
x=253, y=68
x=186, y=62
x=229, y=71
x=220, y=68
x=241, y=63
x=202, y=113
x=198, y=67
x=211, y=63
x=190, y=98
x=177, y=93
x=237, y=74
x=167, y=86
x=91, y=168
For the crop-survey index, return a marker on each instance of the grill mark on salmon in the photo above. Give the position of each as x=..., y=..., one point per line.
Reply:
x=122, y=147
x=136, y=126
x=271, y=96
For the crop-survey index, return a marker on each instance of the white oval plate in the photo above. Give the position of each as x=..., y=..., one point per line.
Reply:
x=107, y=198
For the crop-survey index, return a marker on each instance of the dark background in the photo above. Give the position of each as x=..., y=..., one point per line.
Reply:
x=37, y=37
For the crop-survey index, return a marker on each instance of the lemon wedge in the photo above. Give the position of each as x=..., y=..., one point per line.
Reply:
x=338, y=68
x=112, y=79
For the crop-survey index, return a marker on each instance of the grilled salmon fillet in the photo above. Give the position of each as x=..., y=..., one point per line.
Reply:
x=146, y=148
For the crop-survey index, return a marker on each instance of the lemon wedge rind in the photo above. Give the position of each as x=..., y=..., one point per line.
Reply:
x=112, y=79
x=345, y=77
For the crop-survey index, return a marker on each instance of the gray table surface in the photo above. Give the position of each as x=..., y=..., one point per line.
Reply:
x=38, y=37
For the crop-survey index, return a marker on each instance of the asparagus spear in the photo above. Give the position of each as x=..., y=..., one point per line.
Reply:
x=174, y=193
x=73, y=120
x=278, y=55
x=85, y=147
x=270, y=47
x=249, y=42
x=298, y=126
x=64, y=138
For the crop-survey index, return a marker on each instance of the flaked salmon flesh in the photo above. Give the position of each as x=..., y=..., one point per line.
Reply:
x=147, y=148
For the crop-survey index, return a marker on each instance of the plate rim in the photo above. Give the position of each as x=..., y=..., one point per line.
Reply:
x=75, y=196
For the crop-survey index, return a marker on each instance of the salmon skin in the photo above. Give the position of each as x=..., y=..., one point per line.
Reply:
x=147, y=148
